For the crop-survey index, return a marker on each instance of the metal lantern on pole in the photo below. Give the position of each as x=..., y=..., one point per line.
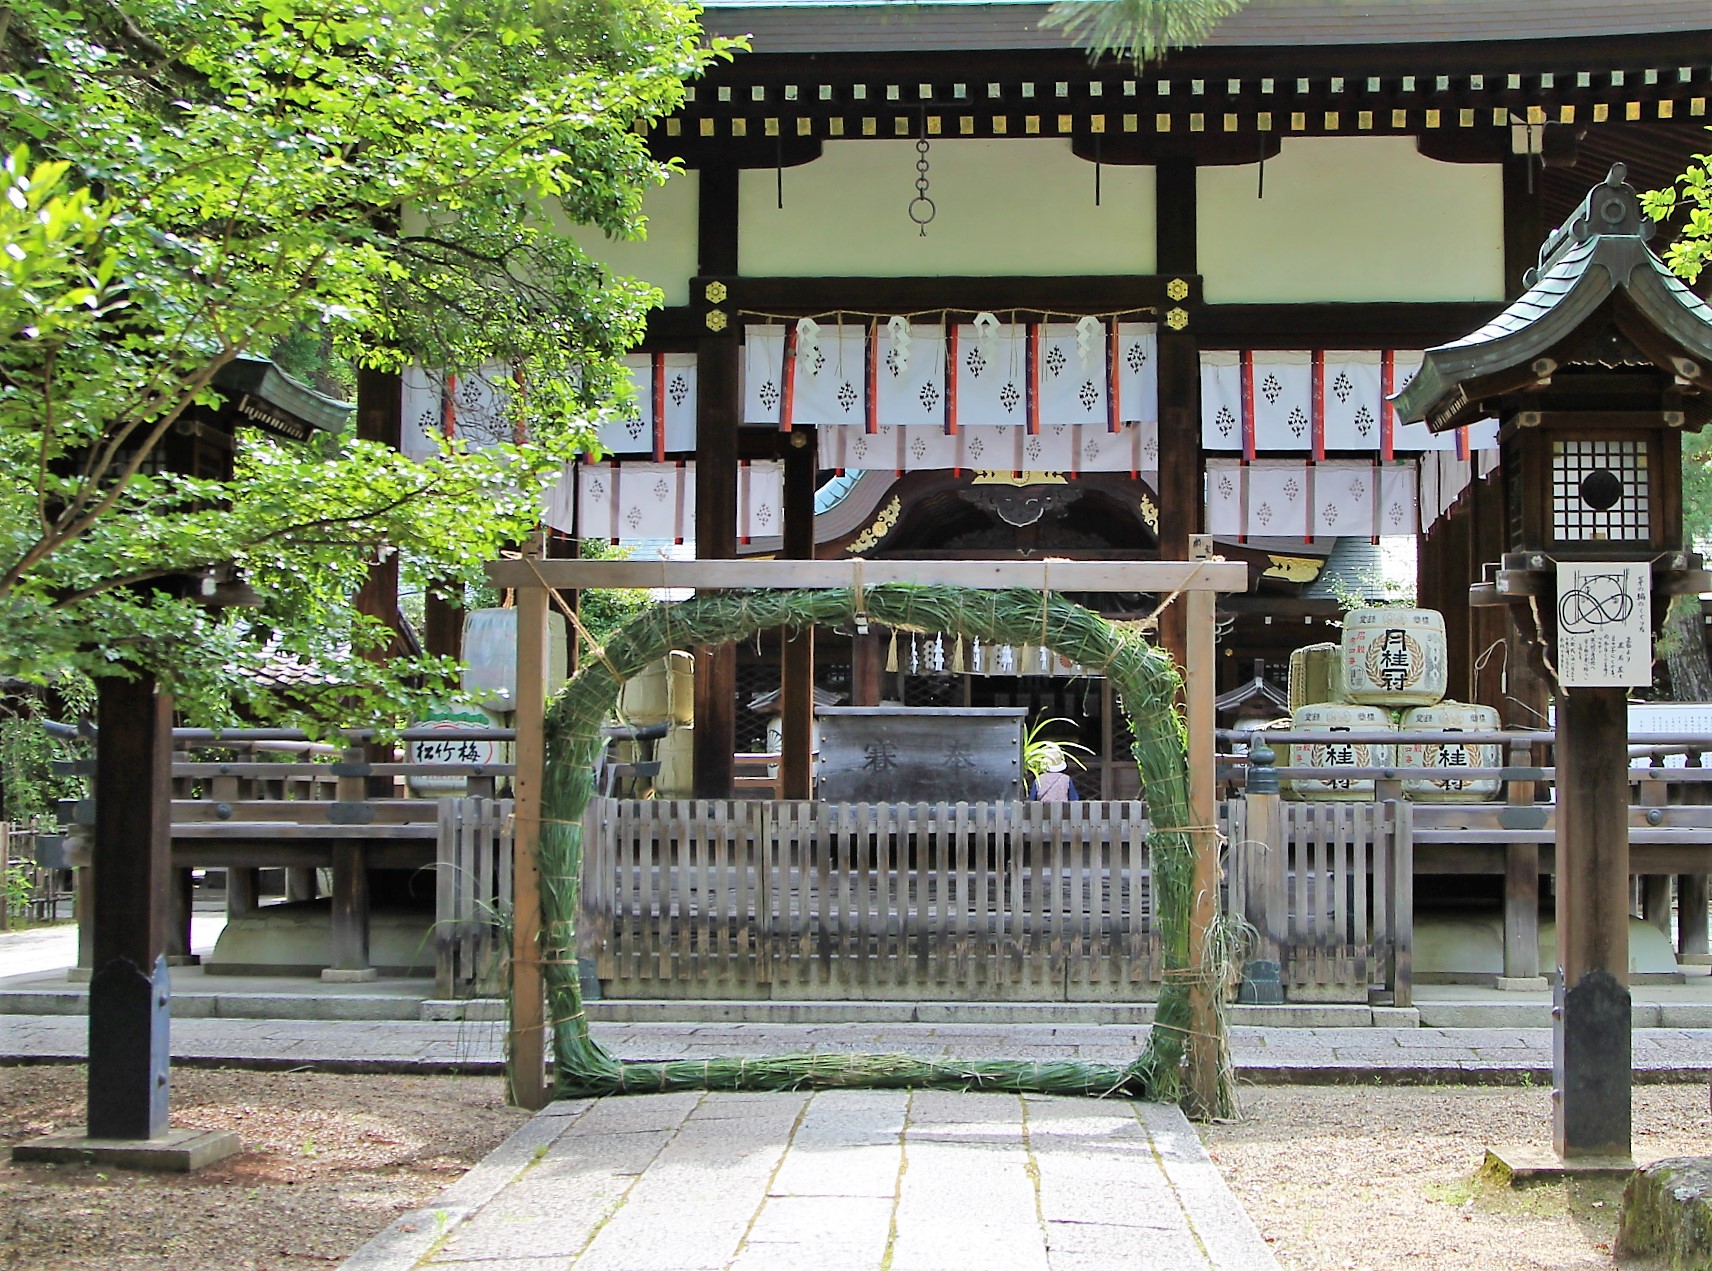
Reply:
x=1594, y=373
x=130, y=856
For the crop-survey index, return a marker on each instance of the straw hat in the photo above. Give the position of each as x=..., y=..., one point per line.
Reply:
x=1052, y=758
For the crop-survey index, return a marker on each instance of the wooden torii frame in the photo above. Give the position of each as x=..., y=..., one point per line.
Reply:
x=1197, y=582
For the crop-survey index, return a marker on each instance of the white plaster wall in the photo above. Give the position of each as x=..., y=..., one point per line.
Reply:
x=1351, y=219
x=667, y=258
x=1016, y=206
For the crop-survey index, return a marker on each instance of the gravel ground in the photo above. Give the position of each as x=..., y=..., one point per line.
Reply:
x=330, y=1160
x=1352, y=1178
x=1342, y=1178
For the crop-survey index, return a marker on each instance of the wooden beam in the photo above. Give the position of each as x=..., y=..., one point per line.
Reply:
x=1204, y=1031
x=1176, y=248
x=380, y=418
x=1591, y=1025
x=527, y=1063
x=1385, y=324
x=131, y=872
x=719, y=411
x=956, y=295
x=796, y=697
x=1032, y=575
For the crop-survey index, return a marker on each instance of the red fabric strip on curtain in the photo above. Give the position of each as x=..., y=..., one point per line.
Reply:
x=659, y=407
x=788, y=380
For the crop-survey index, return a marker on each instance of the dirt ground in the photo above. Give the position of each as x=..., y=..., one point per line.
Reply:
x=1338, y=1179
x=1352, y=1178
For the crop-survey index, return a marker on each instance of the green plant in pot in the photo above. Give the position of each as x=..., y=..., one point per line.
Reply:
x=1040, y=753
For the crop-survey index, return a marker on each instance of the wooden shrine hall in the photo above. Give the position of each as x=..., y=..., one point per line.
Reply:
x=937, y=285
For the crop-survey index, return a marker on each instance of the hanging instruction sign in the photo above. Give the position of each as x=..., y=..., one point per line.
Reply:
x=1604, y=624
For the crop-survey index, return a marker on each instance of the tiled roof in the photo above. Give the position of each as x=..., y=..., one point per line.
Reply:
x=785, y=26
x=1582, y=269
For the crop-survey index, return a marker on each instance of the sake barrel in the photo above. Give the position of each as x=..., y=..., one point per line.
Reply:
x=662, y=693
x=1394, y=657
x=1316, y=675
x=676, y=753
x=1446, y=757
x=1339, y=717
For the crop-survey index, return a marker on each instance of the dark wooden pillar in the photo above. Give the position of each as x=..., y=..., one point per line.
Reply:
x=1488, y=623
x=349, y=955
x=1524, y=220
x=719, y=411
x=129, y=991
x=796, y=698
x=1452, y=567
x=442, y=626
x=380, y=417
x=867, y=669
x=1180, y=477
x=1593, y=1016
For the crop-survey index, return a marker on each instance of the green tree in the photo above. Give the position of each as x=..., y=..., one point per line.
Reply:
x=365, y=181
x=1683, y=642
x=1141, y=30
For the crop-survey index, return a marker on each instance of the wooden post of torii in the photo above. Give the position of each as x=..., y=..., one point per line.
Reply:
x=1197, y=581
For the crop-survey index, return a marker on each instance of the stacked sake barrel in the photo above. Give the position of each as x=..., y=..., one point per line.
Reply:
x=1388, y=672
x=664, y=693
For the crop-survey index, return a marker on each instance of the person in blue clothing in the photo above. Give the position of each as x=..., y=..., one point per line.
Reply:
x=1053, y=785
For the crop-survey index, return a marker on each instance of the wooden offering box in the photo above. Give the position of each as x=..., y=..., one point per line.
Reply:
x=898, y=754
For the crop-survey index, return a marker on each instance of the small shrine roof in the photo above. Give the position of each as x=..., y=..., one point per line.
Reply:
x=1582, y=267
x=266, y=397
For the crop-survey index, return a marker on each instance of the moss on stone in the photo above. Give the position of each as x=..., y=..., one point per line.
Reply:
x=1667, y=1213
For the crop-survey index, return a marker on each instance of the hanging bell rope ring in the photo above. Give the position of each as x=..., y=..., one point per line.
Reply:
x=921, y=208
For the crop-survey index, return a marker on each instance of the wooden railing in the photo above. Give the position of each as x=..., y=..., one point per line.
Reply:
x=29, y=891
x=250, y=799
x=1329, y=891
x=1670, y=824
x=751, y=898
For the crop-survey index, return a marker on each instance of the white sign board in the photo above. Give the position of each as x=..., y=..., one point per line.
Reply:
x=1604, y=624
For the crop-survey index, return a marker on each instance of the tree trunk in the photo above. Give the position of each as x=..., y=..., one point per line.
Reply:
x=1684, y=647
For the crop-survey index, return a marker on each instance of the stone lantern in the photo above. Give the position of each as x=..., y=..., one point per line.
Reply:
x=1594, y=373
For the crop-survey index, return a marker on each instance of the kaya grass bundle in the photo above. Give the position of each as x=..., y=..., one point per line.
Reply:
x=1146, y=683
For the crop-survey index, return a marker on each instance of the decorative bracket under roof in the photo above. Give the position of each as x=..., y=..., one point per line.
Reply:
x=1598, y=260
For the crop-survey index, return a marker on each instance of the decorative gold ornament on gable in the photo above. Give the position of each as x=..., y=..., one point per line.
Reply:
x=1149, y=513
x=716, y=293
x=1177, y=319
x=1177, y=289
x=994, y=476
x=716, y=319
x=1293, y=569
x=882, y=526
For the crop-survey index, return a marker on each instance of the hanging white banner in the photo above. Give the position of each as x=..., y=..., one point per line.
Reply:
x=655, y=501
x=1340, y=498
x=831, y=384
x=1063, y=448
x=668, y=378
x=1285, y=397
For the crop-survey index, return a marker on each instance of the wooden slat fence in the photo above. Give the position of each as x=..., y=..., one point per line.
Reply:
x=813, y=899
x=1342, y=906
x=472, y=880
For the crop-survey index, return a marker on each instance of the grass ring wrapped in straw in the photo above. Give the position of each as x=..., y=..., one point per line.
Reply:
x=1146, y=683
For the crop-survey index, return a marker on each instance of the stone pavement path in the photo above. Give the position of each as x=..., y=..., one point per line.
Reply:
x=1263, y=1055
x=910, y=1181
